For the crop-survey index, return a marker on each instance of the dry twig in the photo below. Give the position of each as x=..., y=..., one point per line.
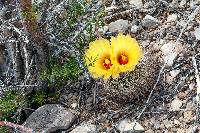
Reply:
x=16, y=126
x=198, y=88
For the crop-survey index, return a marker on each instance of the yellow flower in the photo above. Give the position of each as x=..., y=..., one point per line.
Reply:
x=98, y=59
x=126, y=52
x=105, y=59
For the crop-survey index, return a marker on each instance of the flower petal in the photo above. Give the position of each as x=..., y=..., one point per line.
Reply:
x=125, y=44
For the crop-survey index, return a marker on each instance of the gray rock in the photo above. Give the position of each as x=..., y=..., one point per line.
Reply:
x=134, y=28
x=49, y=118
x=84, y=128
x=197, y=33
x=127, y=125
x=138, y=3
x=170, y=51
x=2, y=58
x=150, y=22
x=119, y=26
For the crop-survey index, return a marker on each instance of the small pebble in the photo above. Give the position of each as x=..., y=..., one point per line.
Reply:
x=84, y=128
x=182, y=3
x=138, y=3
x=172, y=18
x=176, y=122
x=176, y=104
x=150, y=22
x=119, y=26
x=188, y=116
x=167, y=123
x=170, y=51
x=134, y=28
x=127, y=125
x=74, y=105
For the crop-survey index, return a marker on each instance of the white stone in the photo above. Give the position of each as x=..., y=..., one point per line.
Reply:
x=169, y=53
x=193, y=3
x=182, y=3
x=197, y=33
x=74, y=105
x=167, y=123
x=36, y=2
x=134, y=28
x=127, y=125
x=176, y=104
x=103, y=30
x=172, y=18
x=168, y=48
x=176, y=122
x=118, y=26
x=162, y=41
x=84, y=128
x=169, y=60
x=174, y=73
x=137, y=3
x=182, y=23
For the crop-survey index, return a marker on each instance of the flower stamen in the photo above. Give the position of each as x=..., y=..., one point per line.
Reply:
x=107, y=64
x=123, y=59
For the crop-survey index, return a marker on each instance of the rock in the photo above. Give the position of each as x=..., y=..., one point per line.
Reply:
x=172, y=18
x=167, y=123
x=103, y=30
x=182, y=95
x=182, y=3
x=191, y=86
x=157, y=125
x=84, y=128
x=37, y=1
x=197, y=33
x=134, y=28
x=188, y=116
x=193, y=3
x=119, y=26
x=181, y=130
x=49, y=118
x=190, y=105
x=168, y=54
x=2, y=57
x=74, y=105
x=192, y=129
x=176, y=122
x=172, y=74
x=137, y=3
x=150, y=22
x=176, y=104
x=170, y=50
x=89, y=100
x=127, y=125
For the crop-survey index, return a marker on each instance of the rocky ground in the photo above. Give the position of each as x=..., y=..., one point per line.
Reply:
x=161, y=95
x=171, y=30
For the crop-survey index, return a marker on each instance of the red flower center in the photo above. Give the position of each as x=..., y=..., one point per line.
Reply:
x=107, y=64
x=123, y=59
